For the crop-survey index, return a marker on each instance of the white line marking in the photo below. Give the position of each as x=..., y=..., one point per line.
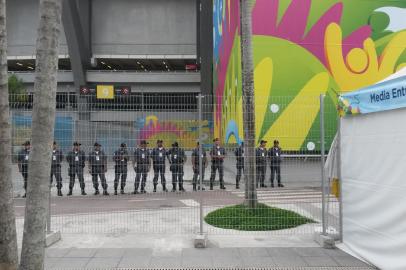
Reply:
x=146, y=200
x=189, y=202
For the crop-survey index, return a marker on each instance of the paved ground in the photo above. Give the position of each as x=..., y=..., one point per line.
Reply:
x=219, y=258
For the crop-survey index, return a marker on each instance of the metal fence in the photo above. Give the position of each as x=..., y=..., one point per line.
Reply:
x=187, y=119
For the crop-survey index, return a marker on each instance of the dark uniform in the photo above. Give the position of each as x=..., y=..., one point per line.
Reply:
x=159, y=155
x=57, y=158
x=261, y=158
x=177, y=159
x=76, y=160
x=275, y=157
x=195, y=163
x=23, y=157
x=239, y=154
x=217, y=154
x=120, y=168
x=142, y=158
x=98, y=167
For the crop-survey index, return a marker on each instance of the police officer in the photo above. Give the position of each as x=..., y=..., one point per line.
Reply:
x=120, y=159
x=261, y=158
x=142, y=165
x=275, y=157
x=177, y=159
x=158, y=158
x=217, y=154
x=23, y=157
x=98, y=168
x=239, y=154
x=76, y=160
x=195, y=163
x=57, y=158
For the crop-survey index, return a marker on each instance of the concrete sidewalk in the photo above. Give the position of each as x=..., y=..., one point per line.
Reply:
x=209, y=258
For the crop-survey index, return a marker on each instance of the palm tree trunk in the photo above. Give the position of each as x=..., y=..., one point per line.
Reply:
x=8, y=236
x=248, y=101
x=43, y=120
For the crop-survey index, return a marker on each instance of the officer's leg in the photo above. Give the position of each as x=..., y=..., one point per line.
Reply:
x=81, y=180
x=180, y=178
x=95, y=183
x=212, y=175
x=25, y=177
x=123, y=180
x=137, y=180
x=71, y=179
x=278, y=174
x=238, y=177
x=162, y=173
x=221, y=174
x=174, y=177
x=273, y=169
x=58, y=180
x=156, y=175
x=116, y=178
x=258, y=175
x=51, y=178
x=144, y=179
x=195, y=175
x=104, y=183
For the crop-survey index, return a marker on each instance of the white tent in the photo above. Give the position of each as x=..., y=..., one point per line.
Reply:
x=373, y=172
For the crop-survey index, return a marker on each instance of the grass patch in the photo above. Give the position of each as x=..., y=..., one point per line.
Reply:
x=262, y=218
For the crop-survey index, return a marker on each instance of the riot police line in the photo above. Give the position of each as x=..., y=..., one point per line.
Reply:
x=144, y=158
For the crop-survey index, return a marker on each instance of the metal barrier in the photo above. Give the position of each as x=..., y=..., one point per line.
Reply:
x=187, y=122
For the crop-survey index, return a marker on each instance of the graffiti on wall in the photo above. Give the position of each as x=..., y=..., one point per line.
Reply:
x=185, y=132
x=302, y=49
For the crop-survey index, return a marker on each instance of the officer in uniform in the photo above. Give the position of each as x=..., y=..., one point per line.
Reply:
x=98, y=168
x=158, y=158
x=239, y=154
x=76, y=160
x=142, y=165
x=57, y=158
x=177, y=159
x=217, y=155
x=120, y=168
x=275, y=157
x=23, y=157
x=195, y=163
x=261, y=158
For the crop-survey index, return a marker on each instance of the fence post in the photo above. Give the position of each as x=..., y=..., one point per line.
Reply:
x=199, y=97
x=322, y=161
x=340, y=180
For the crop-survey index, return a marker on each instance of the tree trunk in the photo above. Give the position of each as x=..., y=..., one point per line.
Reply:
x=248, y=101
x=43, y=120
x=8, y=236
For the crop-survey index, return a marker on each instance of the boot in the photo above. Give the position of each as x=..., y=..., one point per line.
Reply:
x=237, y=184
x=272, y=185
x=59, y=192
x=135, y=191
x=25, y=195
x=173, y=187
x=154, y=187
x=122, y=191
x=280, y=185
x=143, y=189
x=222, y=187
x=194, y=187
x=115, y=192
x=181, y=188
x=164, y=188
x=83, y=192
x=96, y=192
x=70, y=192
x=211, y=186
x=105, y=192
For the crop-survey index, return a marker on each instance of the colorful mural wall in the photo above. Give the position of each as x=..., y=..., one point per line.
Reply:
x=185, y=132
x=302, y=48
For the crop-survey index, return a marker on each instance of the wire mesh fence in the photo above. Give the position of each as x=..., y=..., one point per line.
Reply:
x=132, y=164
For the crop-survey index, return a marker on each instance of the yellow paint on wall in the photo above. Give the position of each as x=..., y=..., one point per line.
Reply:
x=263, y=82
x=292, y=127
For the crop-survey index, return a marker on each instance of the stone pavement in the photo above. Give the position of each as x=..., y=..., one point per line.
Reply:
x=209, y=258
